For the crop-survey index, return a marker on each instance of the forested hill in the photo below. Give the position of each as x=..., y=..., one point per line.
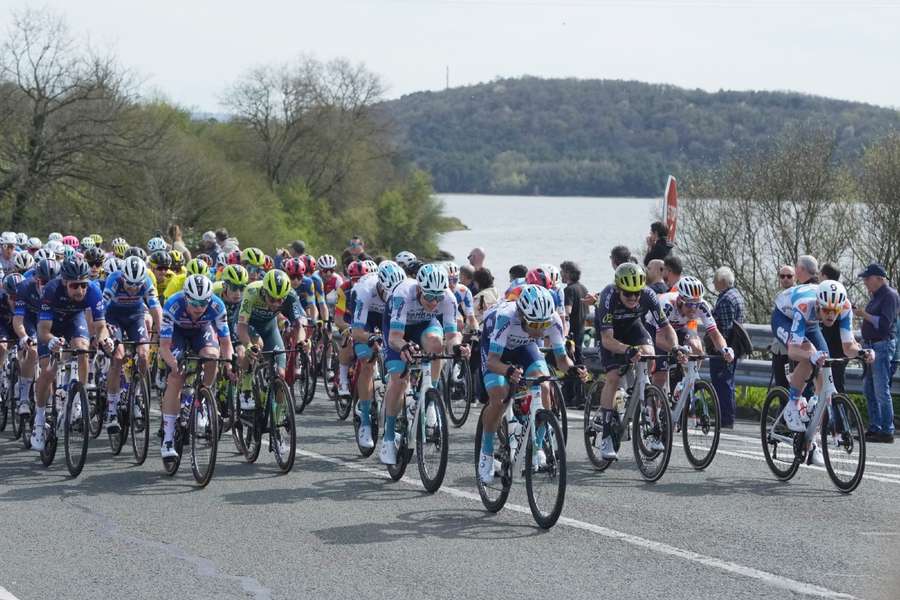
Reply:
x=603, y=137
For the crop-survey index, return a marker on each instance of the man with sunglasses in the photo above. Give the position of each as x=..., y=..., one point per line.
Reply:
x=94, y=257
x=620, y=316
x=194, y=320
x=509, y=351
x=422, y=313
x=64, y=302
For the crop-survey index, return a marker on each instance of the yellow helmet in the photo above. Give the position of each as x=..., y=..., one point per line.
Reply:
x=197, y=267
x=98, y=239
x=236, y=275
x=277, y=284
x=177, y=259
x=630, y=277
x=253, y=257
x=120, y=247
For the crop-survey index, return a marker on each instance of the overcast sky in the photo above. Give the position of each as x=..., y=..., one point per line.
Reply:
x=189, y=50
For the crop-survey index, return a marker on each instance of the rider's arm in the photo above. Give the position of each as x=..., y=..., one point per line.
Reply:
x=613, y=345
x=666, y=338
x=495, y=365
x=18, y=325
x=165, y=352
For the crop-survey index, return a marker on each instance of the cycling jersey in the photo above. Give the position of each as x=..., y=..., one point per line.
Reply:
x=306, y=291
x=464, y=300
x=175, y=284
x=513, y=292
x=613, y=314
x=703, y=314
x=7, y=307
x=119, y=299
x=505, y=330
x=28, y=299
x=255, y=311
x=406, y=309
x=57, y=305
x=367, y=299
x=175, y=316
x=340, y=307
x=318, y=288
x=806, y=315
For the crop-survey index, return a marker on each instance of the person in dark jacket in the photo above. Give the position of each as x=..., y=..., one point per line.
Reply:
x=658, y=244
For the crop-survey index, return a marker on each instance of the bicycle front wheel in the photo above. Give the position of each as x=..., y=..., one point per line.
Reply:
x=204, y=434
x=97, y=403
x=844, y=444
x=458, y=390
x=77, y=428
x=593, y=426
x=652, y=434
x=545, y=470
x=495, y=494
x=777, y=442
x=139, y=417
x=558, y=406
x=284, y=426
x=700, y=427
x=432, y=441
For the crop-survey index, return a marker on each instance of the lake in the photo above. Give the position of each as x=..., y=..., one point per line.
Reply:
x=539, y=229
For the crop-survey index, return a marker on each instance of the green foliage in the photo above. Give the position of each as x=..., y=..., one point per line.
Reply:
x=603, y=137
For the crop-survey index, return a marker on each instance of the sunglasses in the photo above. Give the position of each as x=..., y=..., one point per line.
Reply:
x=234, y=288
x=198, y=303
x=539, y=325
x=693, y=304
x=75, y=285
x=631, y=294
x=433, y=297
x=831, y=312
x=786, y=275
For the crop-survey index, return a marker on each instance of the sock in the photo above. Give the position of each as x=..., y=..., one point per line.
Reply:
x=169, y=427
x=112, y=401
x=793, y=393
x=389, y=424
x=539, y=436
x=40, y=417
x=487, y=443
x=344, y=374
x=365, y=419
x=24, y=387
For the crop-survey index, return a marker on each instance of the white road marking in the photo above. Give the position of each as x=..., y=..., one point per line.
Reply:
x=5, y=594
x=772, y=579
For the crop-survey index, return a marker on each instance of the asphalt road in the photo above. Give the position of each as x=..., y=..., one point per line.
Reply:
x=337, y=528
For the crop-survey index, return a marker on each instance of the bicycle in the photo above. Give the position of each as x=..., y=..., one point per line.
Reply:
x=342, y=405
x=67, y=410
x=197, y=422
x=9, y=388
x=271, y=392
x=646, y=410
x=458, y=383
x=844, y=428
x=378, y=387
x=524, y=419
x=695, y=412
x=133, y=409
x=557, y=400
x=301, y=377
x=431, y=440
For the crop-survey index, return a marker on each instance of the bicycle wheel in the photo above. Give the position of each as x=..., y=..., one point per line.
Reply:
x=48, y=454
x=77, y=428
x=97, y=404
x=330, y=370
x=777, y=449
x=494, y=495
x=139, y=417
x=251, y=435
x=458, y=390
x=312, y=379
x=6, y=398
x=171, y=466
x=652, y=434
x=545, y=478
x=204, y=436
x=374, y=408
x=432, y=442
x=13, y=383
x=404, y=453
x=238, y=431
x=700, y=426
x=844, y=444
x=301, y=380
x=558, y=406
x=284, y=426
x=343, y=404
x=593, y=426
x=117, y=440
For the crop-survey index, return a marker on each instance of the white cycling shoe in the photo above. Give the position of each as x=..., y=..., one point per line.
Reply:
x=112, y=424
x=655, y=444
x=247, y=401
x=607, y=448
x=793, y=418
x=24, y=409
x=364, y=437
x=388, y=453
x=344, y=390
x=37, y=440
x=816, y=457
x=539, y=460
x=167, y=451
x=430, y=416
x=486, y=468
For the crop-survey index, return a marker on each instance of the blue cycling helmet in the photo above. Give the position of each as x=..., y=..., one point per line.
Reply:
x=11, y=283
x=535, y=303
x=47, y=269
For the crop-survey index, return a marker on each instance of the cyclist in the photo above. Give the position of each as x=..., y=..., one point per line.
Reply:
x=342, y=320
x=261, y=306
x=160, y=262
x=120, y=247
x=196, y=266
x=466, y=320
x=509, y=350
x=62, y=319
x=8, y=245
x=230, y=289
x=194, y=319
x=7, y=309
x=303, y=286
x=408, y=262
x=254, y=260
x=421, y=312
x=623, y=306
x=94, y=257
x=331, y=280
x=318, y=287
x=129, y=294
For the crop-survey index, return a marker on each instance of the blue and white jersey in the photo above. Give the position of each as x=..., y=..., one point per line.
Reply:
x=805, y=313
x=464, y=300
x=366, y=298
x=28, y=298
x=175, y=314
x=406, y=309
x=504, y=330
x=118, y=298
x=56, y=303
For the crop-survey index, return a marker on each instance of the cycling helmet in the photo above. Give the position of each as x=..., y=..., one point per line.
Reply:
x=553, y=272
x=98, y=239
x=47, y=269
x=198, y=288
x=277, y=284
x=87, y=243
x=155, y=244
x=111, y=265
x=236, y=275
x=326, y=261
x=221, y=260
x=160, y=258
x=432, y=278
x=355, y=269
x=831, y=295
x=452, y=270
x=390, y=275
x=310, y=261
x=197, y=267
x=22, y=238
x=268, y=263
x=8, y=237
x=120, y=247
x=43, y=253
x=630, y=277
x=55, y=236
x=294, y=267
x=74, y=269
x=70, y=240
x=405, y=258
x=538, y=276
x=253, y=257
x=35, y=243
x=11, y=283
x=177, y=259
x=370, y=266
x=690, y=289
x=233, y=257
x=134, y=271
x=23, y=261
x=56, y=248
x=205, y=258
x=94, y=256
x=69, y=252
x=136, y=251
x=535, y=304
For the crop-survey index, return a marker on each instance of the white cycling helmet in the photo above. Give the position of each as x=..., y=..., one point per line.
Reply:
x=405, y=259
x=87, y=243
x=42, y=253
x=390, y=275
x=452, y=270
x=690, y=289
x=111, y=265
x=198, y=288
x=831, y=294
x=535, y=303
x=56, y=247
x=156, y=244
x=134, y=271
x=23, y=261
x=433, y=278
x=35, y=243
x=326, y=261
x=553, y=273
x=55, y=237
x=9, y=237
x=22, y=239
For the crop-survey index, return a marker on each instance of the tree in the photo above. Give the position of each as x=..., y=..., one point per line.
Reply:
x=879, y=185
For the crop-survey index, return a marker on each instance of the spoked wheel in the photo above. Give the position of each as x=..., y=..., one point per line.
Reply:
x=700, y=426
x=312, y=378
x=593, y=427
x=6, y=400
x=251, y=436
x=374, y=408
x=204, y=435
x=545, y=470
x=301, y=381
x=284, y=426
x=171, y=465
x=342, y=404
x=777, y=441
x=844, y=444
x=651, y=437
x=404, y=452
x=118, y=439
x=238, y=429
x=494, y=495
x=139, y=418
x=48, y=454
x=432, y=442
x=13, y=395
x=100, y=366
x=330, y=369
x=459, y=390
x=558, y=406
x=77, y=428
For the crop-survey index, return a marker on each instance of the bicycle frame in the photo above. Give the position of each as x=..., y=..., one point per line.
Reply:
x=530, y=431
x=825, y=394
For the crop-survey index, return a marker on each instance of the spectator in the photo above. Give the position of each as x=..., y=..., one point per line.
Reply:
x=208, y=245
x=729, y=310
x=833, y=334
x=806, y=269
x=779, y=349
x=178, y=241
x=487, y=295
x=658, y=244
x=672, y=270
x=467, y=278
x=355, y=250
x=297, y=249
x=517, y=275
x=619, y=255
x=655, y=276
x=878, y=331
x=573, y=297
x=476, y=258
